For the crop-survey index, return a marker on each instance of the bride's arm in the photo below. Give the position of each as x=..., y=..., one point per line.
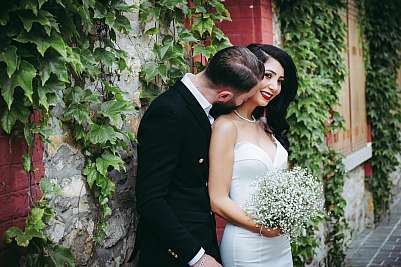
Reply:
x=221, y=157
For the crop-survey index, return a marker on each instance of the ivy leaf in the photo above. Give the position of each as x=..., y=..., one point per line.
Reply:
x=26, y=163
x=102, y=55
x=164, y=49
x=57, y=43
x=91, y=174
x=8, y=120
x=55, y=65
x=42, y=93
x=200, y=50
x=30, y=5
x=22, y=111
x=79, y=113
x=49, y=188
x=28, y=136
x=113, y=109
x=203, y=25
x=23, y=78
x=122, y=6
x=42, y=44
x=9, y=56
x=7, y=90
x=100, y=11
x=4, y=17
x=110, y=18
x=107, y=211
x=149, y=71
x=187, y=37
x=55, y=88
x=61, y=256
x=89, y=3
x=43, y=18
x=100, y=134
x=23, y=240
x=35, y=219
x=41, y=2
x=108, y=159
x=12, y=233
x=152, y=31
x=122, y=24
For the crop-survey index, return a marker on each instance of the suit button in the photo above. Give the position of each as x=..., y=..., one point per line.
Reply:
x=201, y=161
x=206, y=184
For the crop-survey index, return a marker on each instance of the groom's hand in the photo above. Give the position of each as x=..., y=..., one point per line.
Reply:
x=207, y=261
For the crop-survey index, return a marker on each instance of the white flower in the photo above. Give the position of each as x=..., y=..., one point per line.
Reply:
x=287, y=199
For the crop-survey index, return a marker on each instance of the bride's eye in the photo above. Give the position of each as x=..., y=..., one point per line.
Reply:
x=268, y=75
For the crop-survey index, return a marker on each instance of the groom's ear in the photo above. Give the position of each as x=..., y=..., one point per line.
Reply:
x=224, y=96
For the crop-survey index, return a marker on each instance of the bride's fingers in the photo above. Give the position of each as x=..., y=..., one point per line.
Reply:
x=271, y=232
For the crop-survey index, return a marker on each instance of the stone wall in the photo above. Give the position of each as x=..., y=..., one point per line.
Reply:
x=75, y=209
x=396, y=179
x=359, y=208
x=76, y=213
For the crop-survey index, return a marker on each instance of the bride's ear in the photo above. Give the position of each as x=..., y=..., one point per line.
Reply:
x=225, y=96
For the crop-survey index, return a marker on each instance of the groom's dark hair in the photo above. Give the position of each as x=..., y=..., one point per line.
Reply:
x=235, y=67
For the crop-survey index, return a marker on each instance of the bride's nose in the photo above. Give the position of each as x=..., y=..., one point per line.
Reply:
x=273, y=85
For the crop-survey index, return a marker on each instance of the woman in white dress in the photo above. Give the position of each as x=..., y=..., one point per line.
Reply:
x=245, y=144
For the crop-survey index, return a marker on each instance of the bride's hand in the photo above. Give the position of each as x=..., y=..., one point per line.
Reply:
x=270, y=232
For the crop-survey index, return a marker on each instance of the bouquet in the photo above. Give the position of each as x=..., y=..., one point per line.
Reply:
x=287, y=199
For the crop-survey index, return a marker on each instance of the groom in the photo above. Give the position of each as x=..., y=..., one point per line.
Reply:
x=176, y=225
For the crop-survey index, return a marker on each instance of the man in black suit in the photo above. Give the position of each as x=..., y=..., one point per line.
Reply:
x=176, y=225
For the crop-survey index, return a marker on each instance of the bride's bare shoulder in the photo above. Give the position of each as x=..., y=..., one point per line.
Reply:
x=224, y=124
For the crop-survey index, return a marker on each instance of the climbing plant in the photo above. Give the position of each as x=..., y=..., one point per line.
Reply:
x=63, y=53
x=39, y=250
x=190, y=38
x=314, y=35
x=381, y=27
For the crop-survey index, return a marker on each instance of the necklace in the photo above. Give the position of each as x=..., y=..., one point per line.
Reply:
x=245, y=119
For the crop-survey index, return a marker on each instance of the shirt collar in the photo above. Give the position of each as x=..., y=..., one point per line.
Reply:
x=186, y=80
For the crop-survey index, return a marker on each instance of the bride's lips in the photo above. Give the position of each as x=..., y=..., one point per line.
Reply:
x=266, y=95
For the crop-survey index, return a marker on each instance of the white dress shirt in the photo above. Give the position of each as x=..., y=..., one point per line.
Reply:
x=186, y=80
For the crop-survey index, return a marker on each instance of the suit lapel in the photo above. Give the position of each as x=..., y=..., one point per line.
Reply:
x=195, y=108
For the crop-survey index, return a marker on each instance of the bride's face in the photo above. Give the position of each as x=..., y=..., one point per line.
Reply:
x=271, y=84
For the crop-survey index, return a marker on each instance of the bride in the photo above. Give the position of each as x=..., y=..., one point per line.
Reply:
x=245, y=144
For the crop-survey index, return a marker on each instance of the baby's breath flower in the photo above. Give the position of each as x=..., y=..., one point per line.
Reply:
x=287, y=199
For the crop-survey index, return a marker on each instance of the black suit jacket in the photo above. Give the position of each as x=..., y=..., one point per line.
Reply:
x=171, y=188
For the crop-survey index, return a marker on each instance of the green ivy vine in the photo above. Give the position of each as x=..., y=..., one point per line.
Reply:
x=314, y=35
x=64, y=53
x=182, y=32
x=37, y=248
x=381, y=27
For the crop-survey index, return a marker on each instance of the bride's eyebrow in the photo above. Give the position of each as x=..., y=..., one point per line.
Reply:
x=270, y=71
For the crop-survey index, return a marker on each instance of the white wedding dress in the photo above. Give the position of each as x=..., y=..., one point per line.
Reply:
x=240, y=247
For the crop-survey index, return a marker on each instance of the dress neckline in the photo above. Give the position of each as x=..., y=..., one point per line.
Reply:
x=261, y=149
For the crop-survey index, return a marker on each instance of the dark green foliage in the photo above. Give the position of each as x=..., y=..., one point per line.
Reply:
x=64, y=52
x=314, y=35
x=175, y=46
x=381, y=26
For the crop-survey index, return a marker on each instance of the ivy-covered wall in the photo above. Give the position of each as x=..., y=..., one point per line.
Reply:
x=88, y=165
x=75, y=65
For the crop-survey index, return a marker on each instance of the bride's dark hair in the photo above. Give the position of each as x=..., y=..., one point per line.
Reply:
x=276, y=110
